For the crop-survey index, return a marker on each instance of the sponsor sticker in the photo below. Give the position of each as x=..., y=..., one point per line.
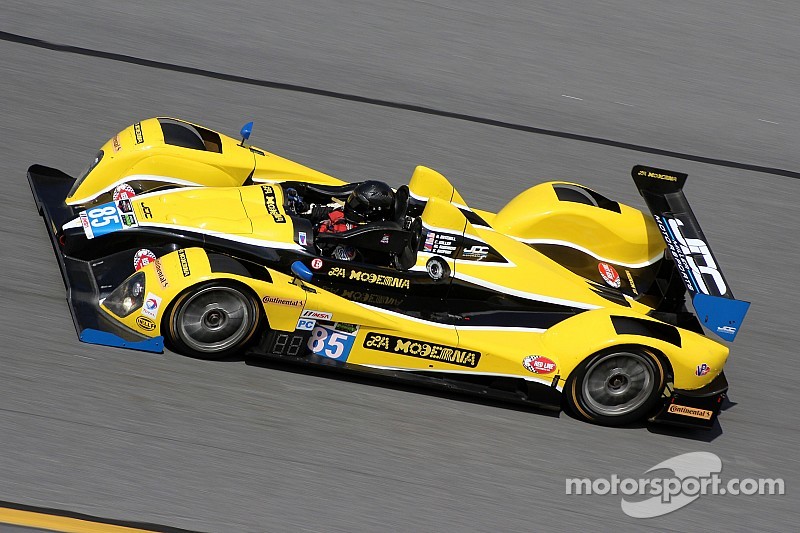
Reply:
x=271, y=203
x=146, y=211
x=631, y=282
x=115, y=142
x=123, y=192
x=609, y=275
x=694, y=412
x=385, y=238
x=422, y=350
x=87, y=226
x=281, y=301
x=345, y=327
x=686, y=250
x=302, y=238
x=145, y=323
x=368, y=297
x=151, y=305
x=305, y=324
x=656, y=175
x=162, y=279
x=316, y=263
x=702, y=370
x=328, y=342
x=476, y=251
x=107, y=218
x=137, y=131
x=379, y=279
x=337, y=272
x=184, y=263
x=142, y=258
x=538, y=364
x=318, y=315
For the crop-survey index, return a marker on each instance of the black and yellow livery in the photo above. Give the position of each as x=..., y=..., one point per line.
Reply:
x=562, y=297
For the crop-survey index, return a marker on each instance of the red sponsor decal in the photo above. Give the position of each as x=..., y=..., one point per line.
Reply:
x=123, y=192
x=609, y=275
x=143, y=258
x=702, y=370
x=539, y=364
x=316, y=264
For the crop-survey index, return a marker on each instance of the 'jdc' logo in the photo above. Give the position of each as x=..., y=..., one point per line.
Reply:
x=696, y=247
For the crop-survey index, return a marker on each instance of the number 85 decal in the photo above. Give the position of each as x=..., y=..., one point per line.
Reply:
x=328, y=342
x=100, y=216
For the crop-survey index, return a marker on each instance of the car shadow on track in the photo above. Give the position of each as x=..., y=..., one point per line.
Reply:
x=377, y=380
x=385, y=382
x=701, y=435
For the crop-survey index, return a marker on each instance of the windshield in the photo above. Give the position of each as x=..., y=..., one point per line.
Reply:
x=85, y=173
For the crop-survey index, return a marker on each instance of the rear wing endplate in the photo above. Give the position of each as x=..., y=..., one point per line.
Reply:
x=712, y=298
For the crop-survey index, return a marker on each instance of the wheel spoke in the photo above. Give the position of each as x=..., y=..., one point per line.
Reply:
x=618, y=383
x=215, y=319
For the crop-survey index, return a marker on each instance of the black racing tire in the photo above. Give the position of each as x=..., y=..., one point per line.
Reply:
x=212, y=320
x=616, y=386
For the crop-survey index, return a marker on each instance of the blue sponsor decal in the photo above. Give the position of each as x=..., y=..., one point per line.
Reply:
x=332, y=343
x=306, y=324
x=108, y=218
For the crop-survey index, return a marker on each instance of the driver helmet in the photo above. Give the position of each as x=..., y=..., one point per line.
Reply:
x=370, y=201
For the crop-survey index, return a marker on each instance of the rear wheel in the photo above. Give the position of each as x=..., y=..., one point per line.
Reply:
x=616, y=386
x=212, y=320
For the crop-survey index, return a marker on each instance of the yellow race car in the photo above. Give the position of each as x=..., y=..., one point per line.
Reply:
x=182, y=235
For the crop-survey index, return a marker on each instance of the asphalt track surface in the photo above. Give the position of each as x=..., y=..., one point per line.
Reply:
x=369, y=90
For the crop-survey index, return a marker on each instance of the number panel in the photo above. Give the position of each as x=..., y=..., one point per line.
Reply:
x=326, y=341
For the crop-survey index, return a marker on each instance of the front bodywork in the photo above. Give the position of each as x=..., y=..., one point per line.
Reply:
x=163, y=153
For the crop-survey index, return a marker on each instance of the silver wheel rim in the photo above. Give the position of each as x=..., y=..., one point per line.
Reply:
x=618, y=383
x=215, y=319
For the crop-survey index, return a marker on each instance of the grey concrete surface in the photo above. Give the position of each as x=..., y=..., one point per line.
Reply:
x=233, y=447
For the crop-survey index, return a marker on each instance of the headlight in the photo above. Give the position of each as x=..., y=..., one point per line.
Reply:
x=128, y=297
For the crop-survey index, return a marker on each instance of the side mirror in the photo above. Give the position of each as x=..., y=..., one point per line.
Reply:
x=245, y=132
x=302, y=271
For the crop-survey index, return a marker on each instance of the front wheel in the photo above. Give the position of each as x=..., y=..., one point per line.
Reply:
x=212, y=321
x=616, y=386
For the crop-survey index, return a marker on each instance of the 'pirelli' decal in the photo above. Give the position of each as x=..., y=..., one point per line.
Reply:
x=421, y=349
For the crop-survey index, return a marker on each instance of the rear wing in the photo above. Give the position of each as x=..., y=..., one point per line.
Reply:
x=712, y=298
